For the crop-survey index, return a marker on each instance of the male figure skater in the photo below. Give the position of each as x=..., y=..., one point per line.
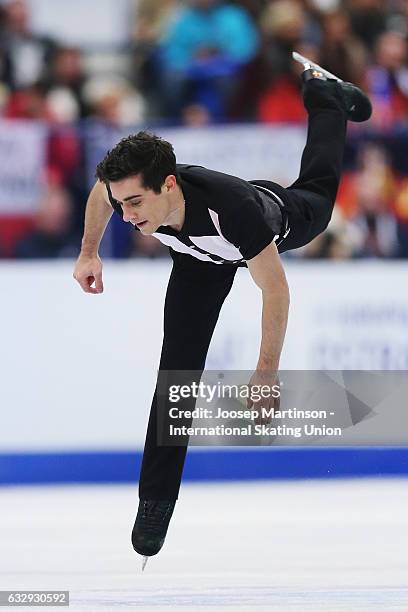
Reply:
x=214, y=223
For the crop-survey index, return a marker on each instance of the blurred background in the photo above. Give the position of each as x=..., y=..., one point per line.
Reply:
x=73, y=81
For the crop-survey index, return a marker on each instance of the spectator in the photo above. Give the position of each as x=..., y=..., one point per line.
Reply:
x=401, y=211
x=5, y=63
x=368, y=20
x=397, y=19
x=4, y=98
x=337, y=242
x=64, y=84
x=63, y=143
x=152, y=18
x=114, y=100
x=344, y=55
x=254, y=7
x=29, y=102
x=278, y=84
x=50, y=236
x=26, y=54
x=375, y=191
x=202, y=54
x=388, y=80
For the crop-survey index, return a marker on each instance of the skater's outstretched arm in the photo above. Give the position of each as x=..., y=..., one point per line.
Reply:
x=267, y=271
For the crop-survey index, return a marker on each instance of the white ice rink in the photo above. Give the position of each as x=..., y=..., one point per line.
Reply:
x=296, y=546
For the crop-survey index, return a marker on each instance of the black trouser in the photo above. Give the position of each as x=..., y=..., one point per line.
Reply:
x=195, y=294
x=309, y=201
x=197, y=290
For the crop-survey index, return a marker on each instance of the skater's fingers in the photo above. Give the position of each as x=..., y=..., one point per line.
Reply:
x=86, y=284
x=98, y=282
x=262, y=411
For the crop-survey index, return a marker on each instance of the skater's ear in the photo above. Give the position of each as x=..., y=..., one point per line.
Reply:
x=170, y=182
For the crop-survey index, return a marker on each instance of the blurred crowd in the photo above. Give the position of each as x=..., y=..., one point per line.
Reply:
x=199, y=62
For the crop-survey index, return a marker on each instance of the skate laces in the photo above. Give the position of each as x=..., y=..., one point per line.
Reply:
x=154, y=514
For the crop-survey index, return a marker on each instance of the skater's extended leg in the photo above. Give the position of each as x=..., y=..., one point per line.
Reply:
x=311, y=198
x=308, y=203
x=195, y=294
x=322, y=158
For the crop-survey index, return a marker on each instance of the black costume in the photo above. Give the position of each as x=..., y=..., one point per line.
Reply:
x=229, y=220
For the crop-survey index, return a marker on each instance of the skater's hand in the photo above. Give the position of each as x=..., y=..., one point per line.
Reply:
x=88, y=270
x=264, y=395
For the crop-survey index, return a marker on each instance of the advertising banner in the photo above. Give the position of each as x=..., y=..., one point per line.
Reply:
x=22, y=164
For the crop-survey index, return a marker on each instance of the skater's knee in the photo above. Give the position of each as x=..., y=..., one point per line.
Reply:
x=326, y=225
x=325, y=220
x=322, y=213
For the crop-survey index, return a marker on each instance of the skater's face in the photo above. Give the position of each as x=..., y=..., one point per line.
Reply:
x=143, y=207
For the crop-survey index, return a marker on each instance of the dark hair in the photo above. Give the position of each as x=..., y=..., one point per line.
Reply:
x=143, y=153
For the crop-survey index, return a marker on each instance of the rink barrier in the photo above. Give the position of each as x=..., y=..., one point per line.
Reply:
x=206, y=465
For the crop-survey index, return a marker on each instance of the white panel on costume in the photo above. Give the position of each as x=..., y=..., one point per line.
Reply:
x=179, y=246
x=216, y=220
x=217, y=246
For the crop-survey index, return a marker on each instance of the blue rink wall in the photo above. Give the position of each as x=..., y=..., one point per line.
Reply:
x=201, y=466
x=78, y=371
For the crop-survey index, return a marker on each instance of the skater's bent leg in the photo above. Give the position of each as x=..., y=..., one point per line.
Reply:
x=195, y=294
x=322, y=157
x=311, y=198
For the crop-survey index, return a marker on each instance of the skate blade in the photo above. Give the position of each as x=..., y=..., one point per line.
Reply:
x=145, y=560
x=307, y=63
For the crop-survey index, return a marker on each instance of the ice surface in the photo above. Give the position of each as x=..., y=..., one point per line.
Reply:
x=284, y=546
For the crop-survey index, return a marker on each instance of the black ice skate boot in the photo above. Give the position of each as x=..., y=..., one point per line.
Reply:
x=150, y=528
x=356, y=103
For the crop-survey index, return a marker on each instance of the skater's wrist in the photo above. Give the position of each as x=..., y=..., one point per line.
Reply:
x=267, y=363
